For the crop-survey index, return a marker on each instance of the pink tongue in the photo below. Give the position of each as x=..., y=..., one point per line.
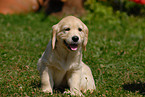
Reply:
x=73, y=47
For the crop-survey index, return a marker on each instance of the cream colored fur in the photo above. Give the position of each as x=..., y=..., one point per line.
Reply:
x=59, y=65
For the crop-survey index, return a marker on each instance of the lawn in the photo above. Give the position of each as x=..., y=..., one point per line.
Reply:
x=115, y=54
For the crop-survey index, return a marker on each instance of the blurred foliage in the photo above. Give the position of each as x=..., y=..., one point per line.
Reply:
x=118, y=21
x=106, y=7
x=127, y=6
x=97, y=9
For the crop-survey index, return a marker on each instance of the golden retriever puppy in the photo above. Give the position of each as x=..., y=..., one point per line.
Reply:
x=61, y=63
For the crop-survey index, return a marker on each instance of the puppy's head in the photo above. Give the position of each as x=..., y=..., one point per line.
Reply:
x=71, y=32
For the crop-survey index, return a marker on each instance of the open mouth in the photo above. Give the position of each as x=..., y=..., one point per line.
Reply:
x=73, y=46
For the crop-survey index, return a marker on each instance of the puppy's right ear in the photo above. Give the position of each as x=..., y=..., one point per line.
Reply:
x=86, y=37
x=54, y=31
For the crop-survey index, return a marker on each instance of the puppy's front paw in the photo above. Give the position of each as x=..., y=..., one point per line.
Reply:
x=75, y=93
x=67, y=92
x=47, y=91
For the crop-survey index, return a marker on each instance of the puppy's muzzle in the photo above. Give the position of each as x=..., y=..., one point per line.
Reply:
x=73, y=46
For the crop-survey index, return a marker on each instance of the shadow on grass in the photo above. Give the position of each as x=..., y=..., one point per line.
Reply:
x=135, y=86
x=37, y=84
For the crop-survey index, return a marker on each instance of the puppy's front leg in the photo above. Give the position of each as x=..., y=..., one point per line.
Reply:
x=46, y=79
x=73, y=78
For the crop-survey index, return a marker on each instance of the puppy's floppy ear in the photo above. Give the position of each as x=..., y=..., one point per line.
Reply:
x=54, y=31
x=85, y=37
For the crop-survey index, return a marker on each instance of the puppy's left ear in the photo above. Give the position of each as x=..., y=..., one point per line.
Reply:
x=86, y=37
x=54, y=31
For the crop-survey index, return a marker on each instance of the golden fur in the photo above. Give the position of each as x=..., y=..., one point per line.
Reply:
x=61, y=63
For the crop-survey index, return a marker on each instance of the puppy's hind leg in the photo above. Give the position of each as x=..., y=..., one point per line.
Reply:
x=87, y=81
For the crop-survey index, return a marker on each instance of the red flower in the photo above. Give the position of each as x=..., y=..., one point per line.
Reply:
x=139, y=1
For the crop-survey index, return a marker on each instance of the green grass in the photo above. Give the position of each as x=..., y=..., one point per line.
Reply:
x=115, y=54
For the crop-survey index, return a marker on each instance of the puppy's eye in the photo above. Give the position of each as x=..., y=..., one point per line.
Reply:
x=67, y=29
x=79, y=29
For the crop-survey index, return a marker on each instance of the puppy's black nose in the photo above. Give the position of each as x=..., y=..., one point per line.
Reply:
x=75, y=38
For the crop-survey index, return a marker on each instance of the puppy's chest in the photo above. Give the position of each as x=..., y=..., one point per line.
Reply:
x=67, y=64
x=58, y=77
x=62, y=69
